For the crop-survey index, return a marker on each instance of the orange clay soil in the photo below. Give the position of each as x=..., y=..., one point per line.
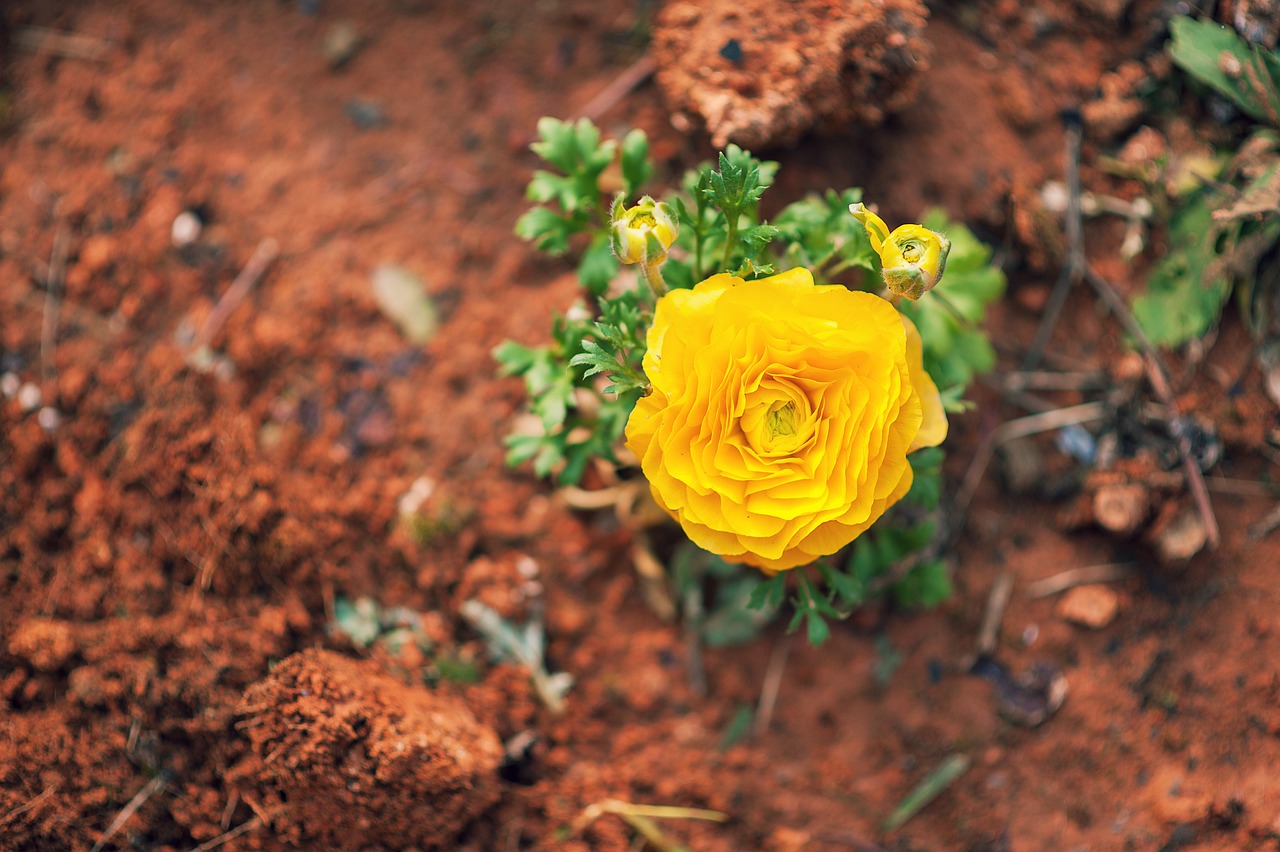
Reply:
x=177, y=537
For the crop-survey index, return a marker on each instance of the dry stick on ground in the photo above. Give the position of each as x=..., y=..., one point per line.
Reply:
x=997, y=603
x=266, y=252
x=139, y=799
x=22, y=809
x=246, y=826
x=52, y=300
x=772, y=685
x=1077, y=268
x=621, y=86
x=1080, y=577
x=1022, y=427
x=67, y=45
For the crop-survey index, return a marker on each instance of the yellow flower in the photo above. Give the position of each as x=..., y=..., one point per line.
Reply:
x=912, y=258
x=781, y=415
x=643, y=233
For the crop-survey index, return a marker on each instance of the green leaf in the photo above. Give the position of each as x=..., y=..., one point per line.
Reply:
x=598, y=266
x=548, y=230
x=738, y=182
x=1214, y=55
x=926, y=486
x=1183, y=300
x=927, y=585
x=636, y=168
x=768, y=593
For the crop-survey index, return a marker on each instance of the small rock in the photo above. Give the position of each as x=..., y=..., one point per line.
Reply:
x=403, y=298
x=1089, y=606
x=341, y=43
x=29, y=396
x=10, y=384
x=366, y=114
x=1181, y=538
x=186, y=229
x=1122, y=509
x=1022, y=466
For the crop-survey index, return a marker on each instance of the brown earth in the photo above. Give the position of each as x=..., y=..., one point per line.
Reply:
x=168, y=536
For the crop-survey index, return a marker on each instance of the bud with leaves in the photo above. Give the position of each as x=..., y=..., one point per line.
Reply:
x=912, y=258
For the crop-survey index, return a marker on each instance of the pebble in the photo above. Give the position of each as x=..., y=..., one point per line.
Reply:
x=29, y=396
x=402, y=298
x=1182, y=538
x=186, y=229
x=1093, y=606
x=1122, y=509
x=366, y=114
x=341, y=43
x=10, y=384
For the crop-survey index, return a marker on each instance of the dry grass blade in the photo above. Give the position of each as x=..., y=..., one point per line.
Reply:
x=245, y=827
x=772, y=685
x=640, y=817
x=1032, y=424
x=1073, y=577
x=131, y=808
x=31, y=805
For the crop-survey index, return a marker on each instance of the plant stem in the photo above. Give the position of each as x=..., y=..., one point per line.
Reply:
x=652, y=273
x=730, y=237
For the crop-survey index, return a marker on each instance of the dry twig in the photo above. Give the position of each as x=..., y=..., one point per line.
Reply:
x=130, y=808
x=64, y=44
x=1022, y=427
x=1073, y=577
x=52, y=300
x=31, y=805
x=248, y=825
x=772, y=684
x=997, y=603
x=265, y=253
x=1077, y=268
x=621, y=86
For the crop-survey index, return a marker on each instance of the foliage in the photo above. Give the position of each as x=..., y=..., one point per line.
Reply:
x=1220, y=233
x=583, y=385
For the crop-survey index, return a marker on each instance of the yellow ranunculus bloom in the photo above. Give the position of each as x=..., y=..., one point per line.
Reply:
x=781, y=415
x=912, y=258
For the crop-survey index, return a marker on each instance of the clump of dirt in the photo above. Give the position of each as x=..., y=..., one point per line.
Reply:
x=761, y=73
x=345, y=756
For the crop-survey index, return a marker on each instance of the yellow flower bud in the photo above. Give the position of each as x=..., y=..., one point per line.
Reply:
x=643, y=233
x=912, y=258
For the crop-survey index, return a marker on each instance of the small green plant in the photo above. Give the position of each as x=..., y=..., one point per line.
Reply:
x=707, y=236
x=1226, y=224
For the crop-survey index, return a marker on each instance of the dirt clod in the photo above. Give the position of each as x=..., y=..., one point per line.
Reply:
x=1093, y=606
x=344, y=755
x=1121, y=508
x=762, y=74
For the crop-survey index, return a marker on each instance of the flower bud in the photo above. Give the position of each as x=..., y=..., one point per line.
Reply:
x=912, y=258
x=643, y=233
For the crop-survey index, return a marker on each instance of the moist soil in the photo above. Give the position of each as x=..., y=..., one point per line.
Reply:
x=172, y=535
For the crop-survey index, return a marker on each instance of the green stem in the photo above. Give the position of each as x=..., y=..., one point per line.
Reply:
x=652, y=273
x=730, y=237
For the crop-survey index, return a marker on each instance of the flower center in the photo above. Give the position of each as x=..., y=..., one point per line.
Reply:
x=777, y=418
x=781, y=420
